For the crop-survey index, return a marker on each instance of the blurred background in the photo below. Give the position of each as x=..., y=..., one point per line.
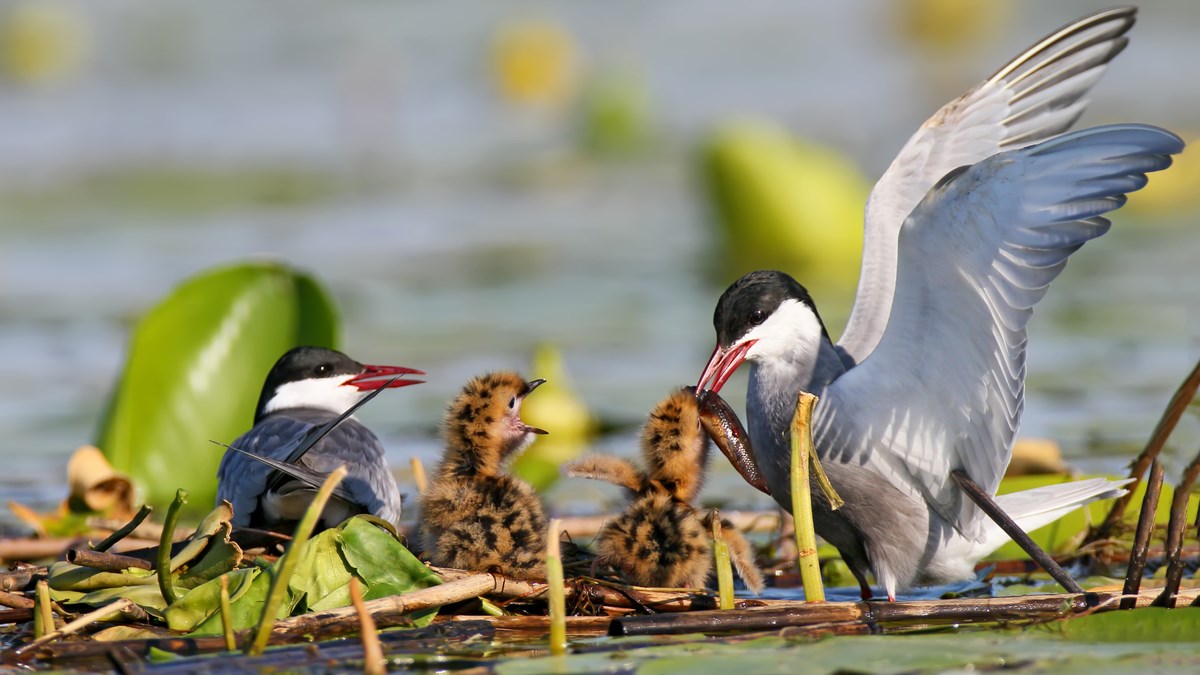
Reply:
x=473, y=179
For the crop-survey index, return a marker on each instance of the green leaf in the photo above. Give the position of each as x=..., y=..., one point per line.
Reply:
x=1148, y=624
x=382, y=562
x=321, y=579
x=359, y=548
x=195, y=369
x=200, y=608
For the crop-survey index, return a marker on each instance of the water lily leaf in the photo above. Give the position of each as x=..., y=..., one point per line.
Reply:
x=199, y=610
x=321, y=579
x=359, y=547
x=384, y=564
x=1148, y=624
x=195, y=367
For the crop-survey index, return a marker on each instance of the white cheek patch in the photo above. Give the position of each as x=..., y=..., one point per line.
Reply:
x=326, y=393
x=792, y=333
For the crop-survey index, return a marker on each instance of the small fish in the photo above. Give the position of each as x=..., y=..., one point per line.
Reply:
x=722, y=425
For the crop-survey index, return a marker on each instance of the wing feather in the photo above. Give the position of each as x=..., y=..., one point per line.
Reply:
x=1036, y=95
x=944, y=388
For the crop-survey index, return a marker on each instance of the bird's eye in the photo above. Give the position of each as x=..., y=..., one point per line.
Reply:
x=323, y=369
x=758, y=316
x=512, y=402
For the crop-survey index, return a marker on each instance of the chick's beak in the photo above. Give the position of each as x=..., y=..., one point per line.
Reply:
x=529, y=387
x=722, y=364
x=379, y=377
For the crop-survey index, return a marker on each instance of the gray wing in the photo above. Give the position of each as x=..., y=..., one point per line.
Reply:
x=368, y=485
x=242, y=481
x=945, y=387
x=1038, y=94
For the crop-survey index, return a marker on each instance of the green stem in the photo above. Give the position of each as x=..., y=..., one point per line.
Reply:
x=227, y=615
x=724, y=566
x=125, y=529
x=557, y=597
x=164, y=546
x=806, y=537
x=43, y=617
x=287, y=563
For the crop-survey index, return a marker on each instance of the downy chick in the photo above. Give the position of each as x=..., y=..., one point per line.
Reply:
x=660, y=539
x=474, y=516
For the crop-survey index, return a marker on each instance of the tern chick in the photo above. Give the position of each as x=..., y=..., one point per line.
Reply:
x=660, y=539
x=475, y=516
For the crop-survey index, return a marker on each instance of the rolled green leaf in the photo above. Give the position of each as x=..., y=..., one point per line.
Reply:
x=195, y=369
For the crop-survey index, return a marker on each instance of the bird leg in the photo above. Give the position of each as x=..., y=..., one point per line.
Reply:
x=989, y=506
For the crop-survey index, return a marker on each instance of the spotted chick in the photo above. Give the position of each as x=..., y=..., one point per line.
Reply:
x=660, y=539
x=475, y=516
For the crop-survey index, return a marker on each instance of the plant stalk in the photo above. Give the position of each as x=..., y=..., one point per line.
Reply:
x=557, y=595
x=287, y=563
x=227, y=615
x=164, y=546
x=723, y=564
x=124, y=531
x=806, y=537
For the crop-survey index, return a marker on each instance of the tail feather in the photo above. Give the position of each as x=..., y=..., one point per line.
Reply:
x=1034, y=508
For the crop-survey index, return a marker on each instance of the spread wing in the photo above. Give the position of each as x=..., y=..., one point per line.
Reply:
x=944, y=388
x=1038, y=94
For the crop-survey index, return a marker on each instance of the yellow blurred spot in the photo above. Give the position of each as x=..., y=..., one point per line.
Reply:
x=1031, y=456
x=1174, y=190
x=557, y=409
x=533, y=63
x=949, y=25
x=42, y=42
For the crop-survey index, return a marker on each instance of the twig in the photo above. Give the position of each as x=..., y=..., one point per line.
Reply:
x=806, y=538
x=116, y=608
x=557, y=596
x=124, y=530
x=1141, y=540
x=164, y=547
x=1175, y=527
x=108, y=562
x=286, y=564
x=373, y=661
x=1166, y=424
x=227, y=616
x=989, y=506
x=723, y=565
x=389, y=611
x=15, y=600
